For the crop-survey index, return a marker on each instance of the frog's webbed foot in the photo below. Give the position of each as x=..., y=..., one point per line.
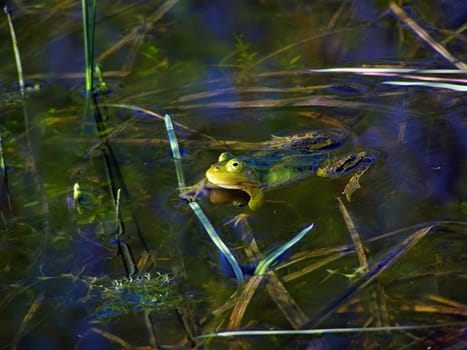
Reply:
x=352, y=163
x=191, y=193
x=238, y=219
x=365, y=162
x=352, y=186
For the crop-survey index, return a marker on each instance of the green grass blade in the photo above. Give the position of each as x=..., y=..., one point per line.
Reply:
x=19, y=66
x=194, y=206
x=386, y=70
x=175, y=151
x=455, y=87
x=268, y=260
x=217, y=240
x=118, y=221
x=3, y=172
x=88, y=33
x=269, y=332
x=92, y=25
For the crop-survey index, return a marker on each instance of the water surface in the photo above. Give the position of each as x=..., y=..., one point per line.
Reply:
x=230, y=75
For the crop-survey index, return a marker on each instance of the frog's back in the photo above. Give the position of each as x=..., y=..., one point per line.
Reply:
x=279, y=167
x=315, y=140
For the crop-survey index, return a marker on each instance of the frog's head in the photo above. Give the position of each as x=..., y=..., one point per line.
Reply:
x=231, y=173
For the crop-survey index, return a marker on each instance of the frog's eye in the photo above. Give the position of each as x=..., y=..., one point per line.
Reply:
x=234, y=166
x=225, y=156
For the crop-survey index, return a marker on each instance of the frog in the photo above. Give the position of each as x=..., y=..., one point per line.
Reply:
x=284, y=160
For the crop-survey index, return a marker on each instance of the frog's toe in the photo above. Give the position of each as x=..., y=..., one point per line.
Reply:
x=238, y=219
x=351, y=187
x=190, y=195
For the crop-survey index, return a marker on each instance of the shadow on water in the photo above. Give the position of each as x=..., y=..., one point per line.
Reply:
x=99, y=251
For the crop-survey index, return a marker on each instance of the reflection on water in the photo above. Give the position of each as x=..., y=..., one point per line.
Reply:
x=230, y=76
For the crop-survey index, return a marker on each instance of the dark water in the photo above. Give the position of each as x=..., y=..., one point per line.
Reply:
x=232, y=75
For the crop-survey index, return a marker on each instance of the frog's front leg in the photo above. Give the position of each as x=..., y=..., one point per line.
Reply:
x=191, y=193
x=353, y=163
x=256, y=197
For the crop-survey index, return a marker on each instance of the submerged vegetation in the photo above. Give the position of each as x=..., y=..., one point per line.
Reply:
x=96, y=243
x=129, y=295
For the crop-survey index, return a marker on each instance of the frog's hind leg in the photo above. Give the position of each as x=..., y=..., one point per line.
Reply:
x=353, y=163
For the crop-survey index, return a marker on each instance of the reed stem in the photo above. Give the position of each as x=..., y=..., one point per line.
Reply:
x=19, y=66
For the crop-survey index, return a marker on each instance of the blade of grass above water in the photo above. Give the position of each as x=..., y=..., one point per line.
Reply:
x=268, y=332
x=19, y=66
x=88, y=34
x=175, y=151
x=194, y=206
x=455, y=87
x=384, y=70
x=264, y=264
x=217, y=240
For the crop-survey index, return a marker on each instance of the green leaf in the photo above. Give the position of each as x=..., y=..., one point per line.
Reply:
x=264, y=265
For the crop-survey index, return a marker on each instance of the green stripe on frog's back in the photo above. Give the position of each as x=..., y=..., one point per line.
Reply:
x=291, y=170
